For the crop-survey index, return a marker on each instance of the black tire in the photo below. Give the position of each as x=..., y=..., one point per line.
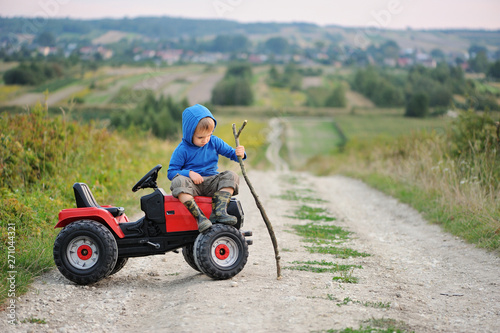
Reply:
x=221, y=252
x=120, y=262
x=188, y=253
x=85, y=252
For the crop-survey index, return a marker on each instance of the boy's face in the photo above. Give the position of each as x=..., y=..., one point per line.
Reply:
x=201, y=138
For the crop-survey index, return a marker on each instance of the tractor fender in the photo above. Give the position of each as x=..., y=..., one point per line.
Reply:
x=67, y=216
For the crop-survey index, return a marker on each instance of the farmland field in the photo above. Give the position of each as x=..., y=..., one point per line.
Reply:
x=191, y=82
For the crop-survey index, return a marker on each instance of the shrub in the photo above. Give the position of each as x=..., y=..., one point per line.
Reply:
x=336, y=97
x=473, y=133
x=494, y=70
x=290, y=78
x=32, y=74
x=379, y=88
x=316, y=96
x=242, y=70
x=417, y=106
x=162, y=116
x=236, y=87
x=232, y=91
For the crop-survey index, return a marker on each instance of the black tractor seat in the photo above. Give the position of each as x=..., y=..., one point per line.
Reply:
x=84, y=198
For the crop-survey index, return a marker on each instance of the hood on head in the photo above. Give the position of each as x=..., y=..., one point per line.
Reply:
x=190, y=119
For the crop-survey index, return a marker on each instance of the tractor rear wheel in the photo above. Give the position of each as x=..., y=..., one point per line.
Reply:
x=188, y=254
x=221, y=252
x=85, y=252
x=120, y=263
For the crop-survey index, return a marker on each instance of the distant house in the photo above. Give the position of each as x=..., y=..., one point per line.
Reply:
x=147, y=54
x=257, y=58
x=104, y=52
x=390, y=62
x=425, y=60
x=210, y=57
x=86, y=50
x=405, y=62
x=45, y=50
x=170, y=56
x=90, y=51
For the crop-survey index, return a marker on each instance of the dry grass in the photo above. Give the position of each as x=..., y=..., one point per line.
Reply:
x=355, y=99
x=461, y=194
x=7, y=92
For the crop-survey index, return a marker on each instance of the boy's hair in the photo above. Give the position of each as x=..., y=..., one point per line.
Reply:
x=205, y=125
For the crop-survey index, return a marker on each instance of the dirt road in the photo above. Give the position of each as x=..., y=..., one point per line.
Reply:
x=432, y=281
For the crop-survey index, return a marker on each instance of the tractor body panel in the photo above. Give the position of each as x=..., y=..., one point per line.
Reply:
x=66, y=216
x=177, y=216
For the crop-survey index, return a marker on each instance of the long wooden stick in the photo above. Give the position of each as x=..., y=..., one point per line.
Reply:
x=257, y=201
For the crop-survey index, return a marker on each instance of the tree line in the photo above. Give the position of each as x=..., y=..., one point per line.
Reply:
x=422, y=88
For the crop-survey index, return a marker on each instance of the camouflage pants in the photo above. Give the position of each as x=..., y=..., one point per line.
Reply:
x=181, y=184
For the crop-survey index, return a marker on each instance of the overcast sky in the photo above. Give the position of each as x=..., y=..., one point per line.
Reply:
x=391, y=14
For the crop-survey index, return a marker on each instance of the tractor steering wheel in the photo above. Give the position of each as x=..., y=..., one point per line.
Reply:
x=149, y=180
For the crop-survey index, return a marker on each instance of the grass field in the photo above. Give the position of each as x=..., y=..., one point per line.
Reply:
x=307, y=137
x=386, y=122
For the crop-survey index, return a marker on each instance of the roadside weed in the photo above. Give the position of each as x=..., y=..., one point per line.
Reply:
x=380, y=305
x=325, y=266
x=382, y=325
x=299, y=195
x=338, y=252
x=318, y=234
x=34, y=320
x=311, y=213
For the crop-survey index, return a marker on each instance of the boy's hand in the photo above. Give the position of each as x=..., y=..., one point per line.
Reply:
x=195, y=177
x=240, y=151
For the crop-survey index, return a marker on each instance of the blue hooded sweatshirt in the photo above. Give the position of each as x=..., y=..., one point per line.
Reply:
x=189, y=157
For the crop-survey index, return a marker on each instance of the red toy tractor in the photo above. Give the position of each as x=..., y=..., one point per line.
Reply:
x=96, y=241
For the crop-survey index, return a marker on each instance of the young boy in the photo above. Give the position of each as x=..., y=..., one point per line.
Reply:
x=193, y=167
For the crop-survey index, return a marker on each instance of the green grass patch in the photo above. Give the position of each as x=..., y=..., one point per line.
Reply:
x=282, y=97
x=338, y=252
x=55, y=84
x=299, y=195
x=346, y=277
x=290, y=179
x=383, y=325
x=34, y=320
x=389, y=123
x=378, y=305
x=312, y=214
x=314, y=233
x=310, y=137
x=325, y=267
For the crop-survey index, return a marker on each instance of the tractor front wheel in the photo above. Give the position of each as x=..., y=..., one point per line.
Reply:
x=85, y=252
x=221, y=252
